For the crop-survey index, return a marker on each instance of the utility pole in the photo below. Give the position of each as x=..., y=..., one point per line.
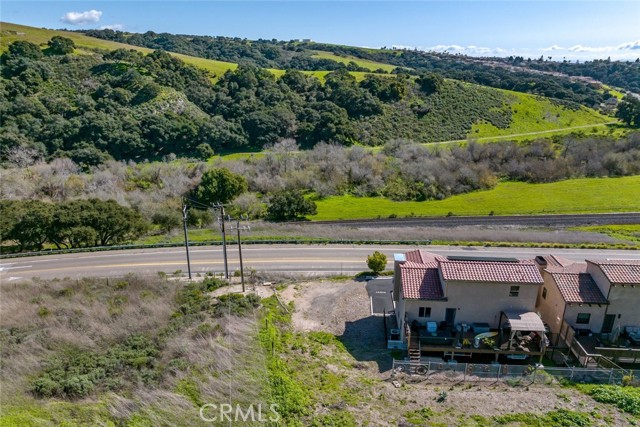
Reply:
x=238, y=228
x=186, y=237
x=224, y=238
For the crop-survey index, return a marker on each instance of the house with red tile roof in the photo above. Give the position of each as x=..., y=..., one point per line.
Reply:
x=461, y=291
x=597, y=296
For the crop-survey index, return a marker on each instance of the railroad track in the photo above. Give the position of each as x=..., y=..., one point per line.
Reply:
x=567, y=220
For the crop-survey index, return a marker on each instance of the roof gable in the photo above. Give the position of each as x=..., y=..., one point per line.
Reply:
x=421, y=281
x=620, y=272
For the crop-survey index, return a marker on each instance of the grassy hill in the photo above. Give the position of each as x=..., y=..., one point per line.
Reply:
x=365, y=63
x=88, y=45
x=586, y=195
x=532, y=113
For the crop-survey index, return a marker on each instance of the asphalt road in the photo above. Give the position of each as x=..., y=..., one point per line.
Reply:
x=522, y=220
x=306, y=259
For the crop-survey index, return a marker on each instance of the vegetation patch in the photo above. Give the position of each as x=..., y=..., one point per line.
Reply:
x=625, y=398
x=629, y=232
x=77, y=373
x=589, y=195
x=532, y=114
x=559, y=418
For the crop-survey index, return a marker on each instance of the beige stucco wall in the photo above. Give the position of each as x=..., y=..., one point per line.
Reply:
x=599, y=277
x=595, y=322
x=625, y=302
x=475, y=302
x=551, y=309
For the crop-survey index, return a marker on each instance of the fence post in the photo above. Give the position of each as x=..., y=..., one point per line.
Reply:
x=535, y=371
x=571, y=377
x=464, y=376
x=611, y=377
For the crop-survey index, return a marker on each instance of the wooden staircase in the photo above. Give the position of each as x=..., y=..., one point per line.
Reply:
x=414, y=348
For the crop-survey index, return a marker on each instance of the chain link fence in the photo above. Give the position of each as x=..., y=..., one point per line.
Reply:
x=443, y=372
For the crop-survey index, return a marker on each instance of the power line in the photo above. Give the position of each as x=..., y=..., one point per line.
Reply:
x=186, y=237
x=238, y=229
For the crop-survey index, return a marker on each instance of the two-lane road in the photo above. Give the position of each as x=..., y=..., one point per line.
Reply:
x=306, y=259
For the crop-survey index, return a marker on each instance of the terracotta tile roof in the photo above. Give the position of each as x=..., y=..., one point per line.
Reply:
x=487, y=271
x=578, y=288
x=422, y=257
x=421, y=281
x=576, y=267
x=620, y=272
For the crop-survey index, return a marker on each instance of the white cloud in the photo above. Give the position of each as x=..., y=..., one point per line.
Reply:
x=630, y=46
x=81, y=18
x=622, y=52
x=115, y=27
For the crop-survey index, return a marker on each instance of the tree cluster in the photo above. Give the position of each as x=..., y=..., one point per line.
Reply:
x=516, y=73
x=74, y=224
x=629, y=111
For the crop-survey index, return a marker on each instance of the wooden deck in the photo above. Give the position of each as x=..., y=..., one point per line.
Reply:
x=450, y=344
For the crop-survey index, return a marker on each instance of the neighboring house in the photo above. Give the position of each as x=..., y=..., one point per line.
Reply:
x=569, y=294
x=619, y=282
x=598, y=296
x=461, y=290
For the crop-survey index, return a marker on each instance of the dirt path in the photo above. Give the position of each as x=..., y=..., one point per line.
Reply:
x=327, y=305
x=516, y=135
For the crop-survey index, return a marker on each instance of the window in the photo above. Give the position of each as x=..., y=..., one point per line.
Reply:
x=424, y=312
x=544, y=293
x=514, y=291
x=583, y=318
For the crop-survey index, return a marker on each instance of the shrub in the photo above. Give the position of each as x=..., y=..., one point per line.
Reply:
x=76, y=373
x=625, y=398
x=236, y=304
x=377, y=262
x=289, y=205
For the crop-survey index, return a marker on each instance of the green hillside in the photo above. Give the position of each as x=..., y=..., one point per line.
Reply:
x=88, y=45
x=247, y=109
x=365, y=63
x=532, y=113
x=586, y=195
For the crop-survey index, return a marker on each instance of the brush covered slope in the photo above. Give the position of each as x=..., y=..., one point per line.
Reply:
x=124, y=104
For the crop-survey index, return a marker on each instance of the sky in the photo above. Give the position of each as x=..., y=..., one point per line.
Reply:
x=569, y=29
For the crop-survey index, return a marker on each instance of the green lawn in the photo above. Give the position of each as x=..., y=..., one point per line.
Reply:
x=365, y=63
x=587, y=195
x=532, y=113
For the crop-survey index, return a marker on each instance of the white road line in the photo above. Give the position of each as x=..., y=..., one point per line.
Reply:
x=371, y=304
x=14, y=268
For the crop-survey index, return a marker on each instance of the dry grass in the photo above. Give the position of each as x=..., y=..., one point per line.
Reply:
x=39, y=318
x=208, y=360
x=463, y=233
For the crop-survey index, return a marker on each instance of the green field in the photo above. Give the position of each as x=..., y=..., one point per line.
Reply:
x=532, y=113
x=587, y=195
x=365, y=63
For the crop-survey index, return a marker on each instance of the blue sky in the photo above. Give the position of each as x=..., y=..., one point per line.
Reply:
x=571, y=29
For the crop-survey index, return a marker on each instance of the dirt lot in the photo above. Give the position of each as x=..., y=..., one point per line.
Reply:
x=342, y=308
